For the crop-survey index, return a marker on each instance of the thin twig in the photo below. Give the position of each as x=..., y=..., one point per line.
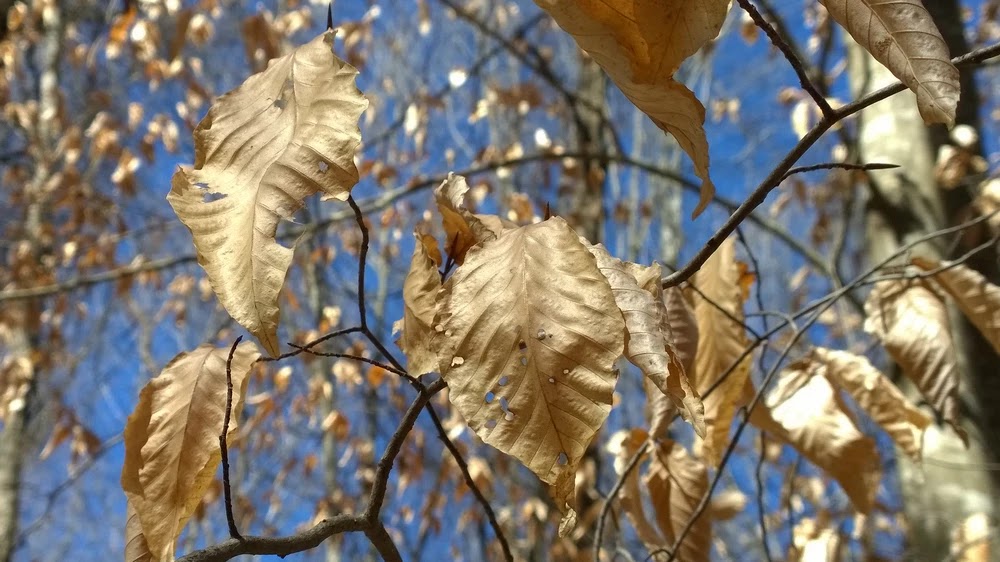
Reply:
x=632, y=464
x=773, y=179
x=226, y=488
x=793, y=59
x=840, y=166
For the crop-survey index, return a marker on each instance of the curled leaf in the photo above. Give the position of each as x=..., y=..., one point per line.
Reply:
x=720, y=360
x=976, y=297
x=172, y=440
x=462, y=228
x=640, y=44
x=677, y=482
x=902, y=36
x=806, y=413
x=911, y=321
x=283, y=135
x=876, y=395
x=419, y=296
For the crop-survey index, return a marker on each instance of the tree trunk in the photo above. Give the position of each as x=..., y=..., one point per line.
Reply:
x=903, y=205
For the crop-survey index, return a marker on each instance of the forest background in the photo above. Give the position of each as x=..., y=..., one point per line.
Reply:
x=101, y=287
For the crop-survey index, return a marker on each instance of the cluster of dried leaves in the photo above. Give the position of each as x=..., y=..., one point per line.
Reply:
x=525, y=322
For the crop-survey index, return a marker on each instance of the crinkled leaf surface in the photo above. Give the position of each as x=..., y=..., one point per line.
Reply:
x=283, y=135
x=462, y=228
x=646, y=343
x=172, y=439
x=911, y=320
x=136, y=549
x=718, y=309
x=419, y=297
x=978, y=299
x=805, y=412
x=640, y=43
x=630, y=496
x=876, y=395
x=901, y=35
x=681, y=329
x=528, y=333
x=677, y=482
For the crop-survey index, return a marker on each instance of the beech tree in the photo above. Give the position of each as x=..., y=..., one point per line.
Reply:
x=523, y=341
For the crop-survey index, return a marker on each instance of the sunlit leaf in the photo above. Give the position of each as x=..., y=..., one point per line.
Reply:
x=677, y=482
x=876, y=395
x=977, y=298
x=172, y=439
x=901, y=35
x=528, y=333
x=419, y=296
x=805, y=412
x=630, y=497
x=283, y=135
x=640, y=44
x=911, y=320
x=462, y=228
x=681, y=329
x=639, y=297
x=718, y=309
x=136, y=549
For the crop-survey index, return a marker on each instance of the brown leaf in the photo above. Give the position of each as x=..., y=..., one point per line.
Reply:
x=136, y=549
x=462, y=228
x=639, y=297
x=626, y=445
x=677, y=482
x=419, y=296
x=977, y=298
x=528, y=333
x=718, y=309
x=806, y=413
x=172, y=439
x=911, y=321
x=640, y=44
x=902, y=36
x=726, y=505
x=681, y=329
x=281, y=136
x=876, y=395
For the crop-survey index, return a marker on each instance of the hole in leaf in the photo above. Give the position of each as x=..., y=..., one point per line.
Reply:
x=456, y=361
x=489, y=397
x=509, y=416
x=439, y=328
x=323, y=166
x=211, y=196
x=552, y=380
x=524, y=360
x=490, y=424
x=503, y=380
x=565, y=371
x=563, y=459
x=503, y=404
x=541, y=334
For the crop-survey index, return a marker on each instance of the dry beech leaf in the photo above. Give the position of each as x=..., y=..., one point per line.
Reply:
x=527, y=336
x=681, y=329
x=677, y=482
x=283, y=135
x=136, y=549
x=718, y=309
x=911, y=321
x=727, y=504
x=805, y=412
x=646, y=343
x=462, y=228
x=640, y=44
x=976, y=297
x=630, y=497
x=172, y=439
x=901, y=35
x=876, y=395
x=419, y=295
x=815, y=542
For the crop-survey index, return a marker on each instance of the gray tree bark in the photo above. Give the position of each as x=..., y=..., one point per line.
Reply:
x=903, y=205
x=21, y=341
